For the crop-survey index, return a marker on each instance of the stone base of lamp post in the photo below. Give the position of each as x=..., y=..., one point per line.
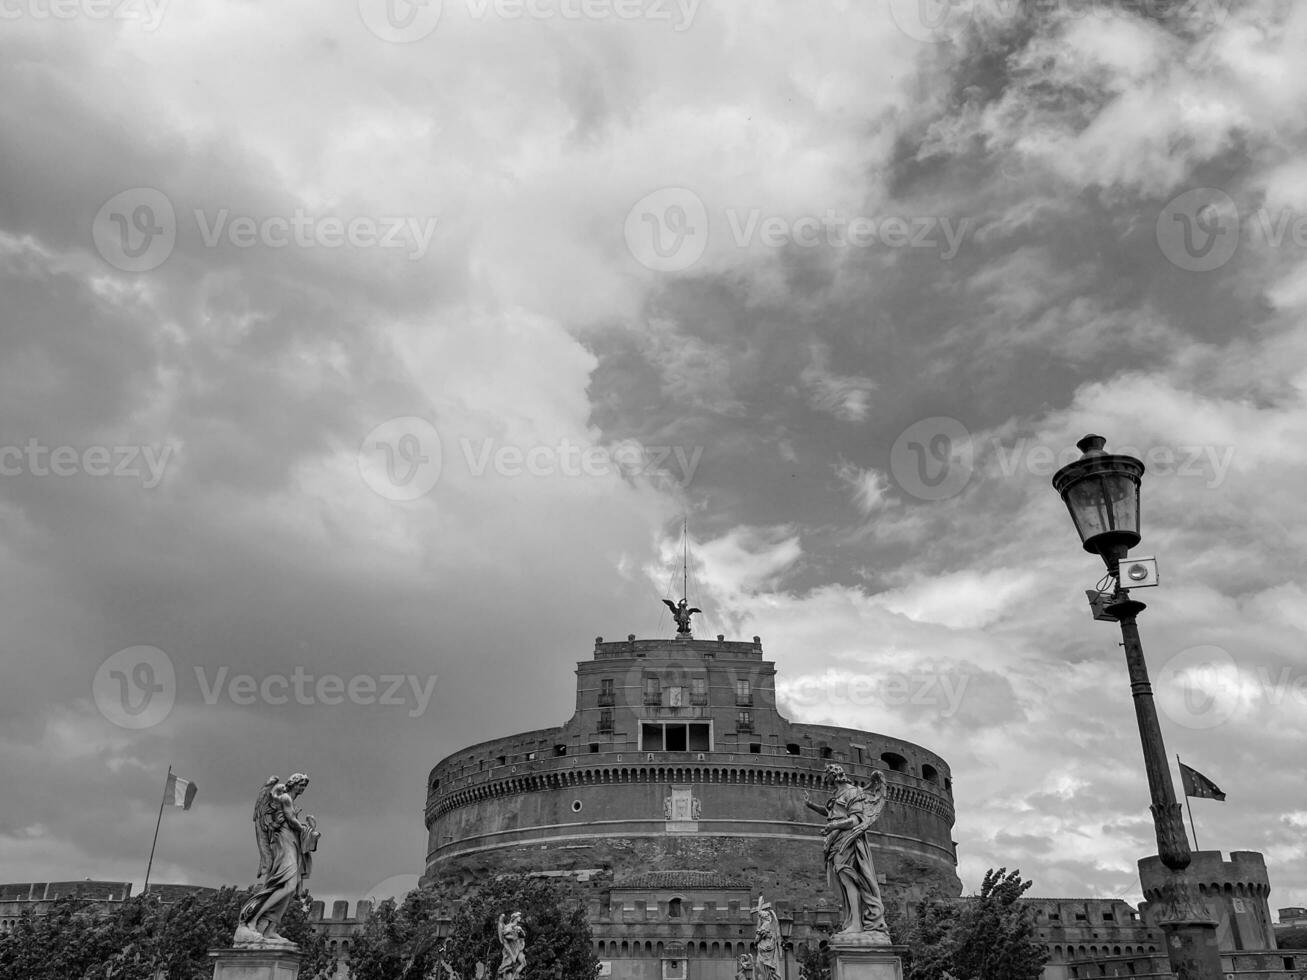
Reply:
x=1190, y=931
x=255, y=963
x=862, y=962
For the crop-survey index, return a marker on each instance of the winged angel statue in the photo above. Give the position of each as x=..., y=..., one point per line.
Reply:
x=287, y=839
x=681, y=612
x=849, y=814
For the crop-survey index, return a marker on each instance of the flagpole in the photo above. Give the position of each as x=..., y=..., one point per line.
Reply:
x=1192, y=827
x=162, y=800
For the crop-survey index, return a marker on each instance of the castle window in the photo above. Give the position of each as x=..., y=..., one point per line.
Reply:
x=743, y=695
x=606, y=720
x=651, y=738
x=698, y=690
x=560, y=749
x=826, y=752
x=594, y=746
x=930, y=774
x=1109, y=917
x=894, y=762
x=652, y=690
x=755, y=747
x=606, y=695
x=792, y=748
x=502, y=760
x=744, y=721
x=674, y=908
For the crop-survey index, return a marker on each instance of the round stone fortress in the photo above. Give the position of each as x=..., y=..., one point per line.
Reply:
x=676, y=760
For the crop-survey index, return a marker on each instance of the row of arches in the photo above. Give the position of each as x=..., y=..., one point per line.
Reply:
x=1063, y=953
x=616, y=775
x=1218, y=889
x=614, y=948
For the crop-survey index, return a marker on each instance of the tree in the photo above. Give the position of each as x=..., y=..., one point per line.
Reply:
x=80, y=939
x=401, y=941
x=408, y=939
x=990, y=936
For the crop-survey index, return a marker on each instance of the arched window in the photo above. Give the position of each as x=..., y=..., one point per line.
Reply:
x=894, y=762
x=792, y=748
x=674, y=908
x=930, y=774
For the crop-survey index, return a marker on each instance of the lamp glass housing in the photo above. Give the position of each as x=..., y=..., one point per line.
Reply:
x=1101, y=492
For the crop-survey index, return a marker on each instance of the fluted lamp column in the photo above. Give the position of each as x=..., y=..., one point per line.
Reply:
x=1101, y=491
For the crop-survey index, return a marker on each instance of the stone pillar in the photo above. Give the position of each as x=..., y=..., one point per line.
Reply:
x=847, y=962
x=255, y=963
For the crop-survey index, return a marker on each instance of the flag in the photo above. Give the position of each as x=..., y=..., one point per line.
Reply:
x=179, y=792
x=1199, y=786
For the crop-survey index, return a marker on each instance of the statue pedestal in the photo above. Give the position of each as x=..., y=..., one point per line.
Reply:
x=255, y=963
x=864, y=962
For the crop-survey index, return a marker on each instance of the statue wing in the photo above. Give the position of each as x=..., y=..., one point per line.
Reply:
x=696, y=609
x=876, y=791
x=670, y=605
x=263, y=825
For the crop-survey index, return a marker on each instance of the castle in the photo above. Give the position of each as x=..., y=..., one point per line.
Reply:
x=672, y=803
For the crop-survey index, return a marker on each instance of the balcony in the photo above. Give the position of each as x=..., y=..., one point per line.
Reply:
x=744, y=700
x=744, y=727
x=699, y=700
x=653, y=699
x=607, y=700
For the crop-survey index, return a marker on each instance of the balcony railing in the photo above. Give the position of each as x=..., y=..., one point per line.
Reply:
x=744, y=726
x=699, y=699
x=653, y=698
x=744, y=700
x=607, y=700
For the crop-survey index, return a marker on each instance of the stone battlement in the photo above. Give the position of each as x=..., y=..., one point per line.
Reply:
x=720, y=647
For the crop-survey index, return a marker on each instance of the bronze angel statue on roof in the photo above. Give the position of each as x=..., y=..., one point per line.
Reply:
x=286, y=839
x=849, y=815
x=681, y=614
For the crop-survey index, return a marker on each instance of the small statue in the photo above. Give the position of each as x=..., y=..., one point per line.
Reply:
x=286, y=842
x=849, y=815
x=682, y=615
x=512, y=936
x=744, y=967
x=767, y=939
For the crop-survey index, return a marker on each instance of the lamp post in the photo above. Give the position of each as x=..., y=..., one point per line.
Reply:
x=1101, y=491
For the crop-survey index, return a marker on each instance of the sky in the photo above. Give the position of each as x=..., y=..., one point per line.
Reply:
x=360, y=362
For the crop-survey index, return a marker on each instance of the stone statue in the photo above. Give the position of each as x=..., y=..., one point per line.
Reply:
x=767, y=939
x=744, y=967
x=681, y=612
x=512, y=936
x=286, y=842
x=849, y=815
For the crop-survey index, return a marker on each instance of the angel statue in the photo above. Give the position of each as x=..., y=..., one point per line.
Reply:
x=681, y=614
x=512, y=936
x=767, y=939
x=287, y=840
x=849, y=815
x=744, y=967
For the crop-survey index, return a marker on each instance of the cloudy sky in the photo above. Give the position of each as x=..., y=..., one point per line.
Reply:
x=348, y=341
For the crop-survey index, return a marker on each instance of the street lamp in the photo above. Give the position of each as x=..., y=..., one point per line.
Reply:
x=1101, y=491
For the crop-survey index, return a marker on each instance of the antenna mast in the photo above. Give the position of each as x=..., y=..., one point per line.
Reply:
x=685, y=558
